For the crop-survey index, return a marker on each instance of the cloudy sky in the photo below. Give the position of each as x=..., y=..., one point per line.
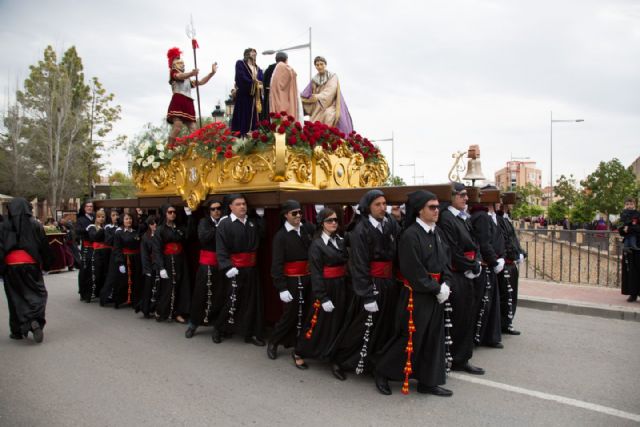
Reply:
x=439, y=75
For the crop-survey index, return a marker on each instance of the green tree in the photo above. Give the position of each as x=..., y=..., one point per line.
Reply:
x=606, y=188
x=583, y=212
x=394, y=181
x=528, y=201
x=566, y=189
x=61, y=115
x=557, y=211
x=122, y=186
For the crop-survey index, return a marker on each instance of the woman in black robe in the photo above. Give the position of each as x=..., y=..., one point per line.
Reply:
x=85, y=219
x=169, y=240
x=128, y=281
x=207, y=296
x=327, y=264
x=369, y=323
x=417, y=349
x=23, y=250
x=149, y=270
x=99, y=257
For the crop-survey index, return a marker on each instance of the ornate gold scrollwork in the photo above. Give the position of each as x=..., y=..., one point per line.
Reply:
x=242, y=169
x=324, y=162
x=374, y=174
x=299, y=165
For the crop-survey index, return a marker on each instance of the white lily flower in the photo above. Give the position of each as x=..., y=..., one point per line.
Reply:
x=139, y=161
x=151, y=158
x=160, y=147
x=155, y=165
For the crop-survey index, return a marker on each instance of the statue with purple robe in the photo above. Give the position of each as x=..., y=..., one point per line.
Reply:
x=322, y=99
x=248, y=94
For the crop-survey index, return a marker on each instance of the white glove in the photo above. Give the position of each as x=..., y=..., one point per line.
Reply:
x=520, y=259
x=260, y=212
x=371, y=307
x=444, y=293
x=148, y=274
x=233, y=272
x=469, y=274
x=122, y=269
x=285, y=296
x=328, y=306
x=187, y=210
x=498, y=268
x=163, y=274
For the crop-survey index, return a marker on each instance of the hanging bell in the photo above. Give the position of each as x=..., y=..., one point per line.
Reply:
x=474, y=171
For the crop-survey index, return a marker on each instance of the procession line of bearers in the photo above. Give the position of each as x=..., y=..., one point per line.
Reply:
x=375, y=301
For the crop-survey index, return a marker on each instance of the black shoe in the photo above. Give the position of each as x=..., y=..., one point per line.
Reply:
x=15, y=336
x=468, y=367
x=632, y=298
x=297, y=358
x=254, y=340
x=510, y=332
x=191, y=330
x=337, y=372
x=435, y=390
x=38, y=336
x=382, y=384
x=215, y=336
x=495, y=345
x=272, y=351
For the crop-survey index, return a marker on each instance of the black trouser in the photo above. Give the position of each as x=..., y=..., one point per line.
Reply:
x=508, y=283
x=289, y=326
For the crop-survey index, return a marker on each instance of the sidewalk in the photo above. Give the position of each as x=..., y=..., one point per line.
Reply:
x=577, y=299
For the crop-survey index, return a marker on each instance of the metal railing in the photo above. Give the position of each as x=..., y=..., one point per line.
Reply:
x=590, y=257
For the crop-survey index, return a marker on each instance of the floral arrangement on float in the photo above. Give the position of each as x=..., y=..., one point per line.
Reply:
x=280, y=154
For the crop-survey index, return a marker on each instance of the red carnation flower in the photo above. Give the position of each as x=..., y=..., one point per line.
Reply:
x=281, y=129
x=291, y=118
x=298, y=126
x=273, y=127
x=284, y=113
x=293, y=140
x=255, y=134
x=228, y=154
x=218, y=148
x=272, y=115
x=264, y=123
x=286, y=123
x=264, y=138
x=276, y=115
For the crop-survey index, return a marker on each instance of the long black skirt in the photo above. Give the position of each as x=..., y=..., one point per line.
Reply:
x=208, y=296
x=125, y=292
x=85, y=284
x=488, y=329
x=318, y=341
x=631, y=272
x=508, y=284
x=26, y=295
x=174, y=293
x=364, y=332
x=99, y=270
x=288, y=329
x=244, y=316
x=463, y=317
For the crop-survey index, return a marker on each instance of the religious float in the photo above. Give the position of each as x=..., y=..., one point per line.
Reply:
x=280, y=154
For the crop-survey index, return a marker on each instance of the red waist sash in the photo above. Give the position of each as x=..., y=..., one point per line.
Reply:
x=296, y=268
x=19, y=256
x=208, y=258
x=130, y=251
x=243, y=259
x=334, y=271
x=87, y=244
x=381, y=269
x=101, y=245
x=434, y=276
x=470, y=255
x=172, y=248
x=509, y=261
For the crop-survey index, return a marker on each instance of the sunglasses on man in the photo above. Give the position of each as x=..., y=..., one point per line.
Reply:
x=215, y=208
x=295, y=213
x=331, y=220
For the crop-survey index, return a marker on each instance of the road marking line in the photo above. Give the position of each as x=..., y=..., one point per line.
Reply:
x=553, y=397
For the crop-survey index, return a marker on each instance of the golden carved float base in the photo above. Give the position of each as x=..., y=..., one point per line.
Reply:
x=279, y=168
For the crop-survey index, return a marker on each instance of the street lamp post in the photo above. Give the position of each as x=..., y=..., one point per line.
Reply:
x=551, y=122
x=414, y=170
x=393, y=170
x=300, y=46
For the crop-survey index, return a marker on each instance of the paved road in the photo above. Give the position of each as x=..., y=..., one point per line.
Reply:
x=107, y=367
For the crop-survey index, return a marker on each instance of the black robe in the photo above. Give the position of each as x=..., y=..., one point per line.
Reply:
x=509, y=277
x=491, y=244
x=23, y=283
x=208, y=296
x=366, y=245
x=288, y=246
x=123, y=291
x=318, y=341
x=419, y=253
x=630, y=268
x=456, y=233
x=174, y=293
x=86, y=255
x=99, y=260
x=151, y=277
x=267, y=88
x=234, y=237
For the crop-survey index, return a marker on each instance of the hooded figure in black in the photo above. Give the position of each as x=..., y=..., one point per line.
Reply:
x=508, y=278
x=23, y=250
x=417, y=348
x=149, y=270
x=169, y=240
x=372, y=241
x=86, y=217
x=208, y=296
x=290, y=273
x=455, y=227
x=128, y=280
x=491, y=242
x=327, y=264
x=237, y=241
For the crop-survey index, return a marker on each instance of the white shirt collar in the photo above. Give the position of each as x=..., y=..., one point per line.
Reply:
x=215, y=221
x=494, y=217
x=326, y=238
x=457, y=212
x=425, y=226
x=233, y=218
x=375, y=222
x=290, y=227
